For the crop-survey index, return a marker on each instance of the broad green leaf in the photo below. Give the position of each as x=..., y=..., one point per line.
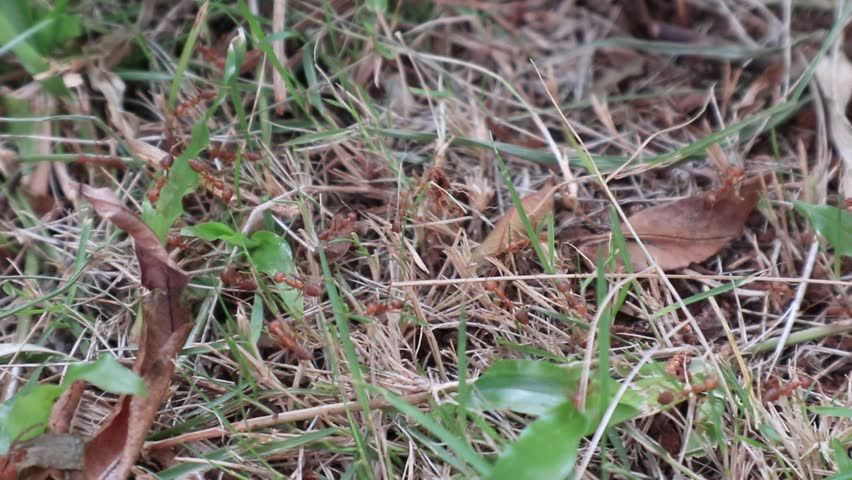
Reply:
x=535, y=388
x=841, y=457
x=526, y=386
x=25, y=415
x=270, y=255
x=547, y=448
x=212, y=231
x=107, y=374
x=182, y=180
x=832, y=223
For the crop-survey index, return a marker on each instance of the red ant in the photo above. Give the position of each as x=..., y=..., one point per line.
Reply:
x=199, y=167
x=710, y=383
x=311, y=290
x=233, y=278
x=205, y=171
x=373, y=309
x=520, y=314
x=181, y=109
x=227, y=195
x=676, y=365
x=518, y=245
x=221, y=153
x=773, y=394
x=154, y=193
x=175, y=241
x=210, y=55
x=340, y=226
x=231, y=155
x=102, y=161
x=282, y=334
x=493, y=287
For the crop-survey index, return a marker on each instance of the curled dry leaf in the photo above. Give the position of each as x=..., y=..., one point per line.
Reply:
x=114, y=450
x=511, y=228
x=689, y=230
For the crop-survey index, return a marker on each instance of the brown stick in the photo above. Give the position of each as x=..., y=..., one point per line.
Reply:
x=287, y=417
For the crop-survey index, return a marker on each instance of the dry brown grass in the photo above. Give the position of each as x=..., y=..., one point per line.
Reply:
x=364, y=142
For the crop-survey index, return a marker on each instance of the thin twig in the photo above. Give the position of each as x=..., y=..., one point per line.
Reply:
x=293, y=416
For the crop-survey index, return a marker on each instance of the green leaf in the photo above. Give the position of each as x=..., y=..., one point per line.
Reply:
x=107, y=374
x=844, y=412
x=547, y=448
x=212, y=231
x=535, y=388
x=182, y=180
x=25, y=415
x=832, y=223
x=526, y=386
x=841, y=457
x=270, y=255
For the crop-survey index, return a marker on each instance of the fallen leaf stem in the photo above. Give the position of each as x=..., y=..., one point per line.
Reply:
x=295, y=416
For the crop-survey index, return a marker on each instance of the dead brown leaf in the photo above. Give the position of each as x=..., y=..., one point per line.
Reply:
x=114, y=450
x=510, y=227
x=689, y=230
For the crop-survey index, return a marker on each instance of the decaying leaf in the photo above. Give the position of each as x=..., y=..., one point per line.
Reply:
x=115, y=449
x=55, y=450
x=834, y=75
x=511, y=228
x=689, y=230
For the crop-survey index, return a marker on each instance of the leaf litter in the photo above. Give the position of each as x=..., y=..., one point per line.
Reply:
x=113, y=451
x=378, y=264
x=689, y=230
x=510, y=227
